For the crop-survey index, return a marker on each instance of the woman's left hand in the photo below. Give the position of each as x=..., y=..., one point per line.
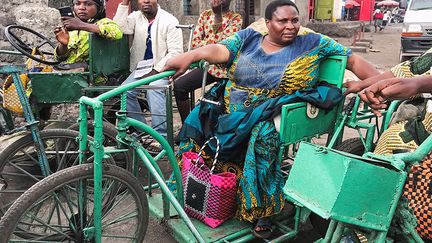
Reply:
x=73, y=23
x=62, y=35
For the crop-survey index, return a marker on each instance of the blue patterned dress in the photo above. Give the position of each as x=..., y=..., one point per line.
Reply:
x=258, y=83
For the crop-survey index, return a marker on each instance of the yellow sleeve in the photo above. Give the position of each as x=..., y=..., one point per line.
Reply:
x=109, y=29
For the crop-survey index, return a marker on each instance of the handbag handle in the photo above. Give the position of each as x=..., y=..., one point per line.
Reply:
x=216, y=155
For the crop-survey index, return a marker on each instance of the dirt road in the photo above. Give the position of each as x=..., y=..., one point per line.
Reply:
x=384, y=53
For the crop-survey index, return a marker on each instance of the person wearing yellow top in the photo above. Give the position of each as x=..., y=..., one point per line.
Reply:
x=73, y=39
x=73, y=35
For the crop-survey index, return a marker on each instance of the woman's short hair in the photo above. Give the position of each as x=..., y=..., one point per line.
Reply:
x=272, y=6
x=100, y=5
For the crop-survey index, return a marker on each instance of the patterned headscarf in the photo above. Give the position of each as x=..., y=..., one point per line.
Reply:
x=101, y=11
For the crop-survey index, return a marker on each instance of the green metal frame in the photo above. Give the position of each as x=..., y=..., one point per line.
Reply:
x=148, y=161
x=186, y=229
x=32, y=123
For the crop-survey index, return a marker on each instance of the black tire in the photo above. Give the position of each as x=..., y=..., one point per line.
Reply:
x=19, y=168
x=352, y=146
x=53, y=202
x=124, y=159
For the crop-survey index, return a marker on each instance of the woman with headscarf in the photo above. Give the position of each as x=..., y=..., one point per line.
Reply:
x=73, y=35
x=73, y=39
x=265, y=70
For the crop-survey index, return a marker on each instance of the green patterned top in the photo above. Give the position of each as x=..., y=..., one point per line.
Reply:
x=78, y=46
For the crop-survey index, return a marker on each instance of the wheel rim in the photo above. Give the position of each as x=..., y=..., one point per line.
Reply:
x=20, y=170
x=56, y=216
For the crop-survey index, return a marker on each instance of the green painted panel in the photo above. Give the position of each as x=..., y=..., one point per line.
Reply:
x=108, y=56
x=323, y=9
x=57, y=87
x=296, y=125
x=345, y=187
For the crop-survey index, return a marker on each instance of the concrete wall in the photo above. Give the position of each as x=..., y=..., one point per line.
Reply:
x=34, y=14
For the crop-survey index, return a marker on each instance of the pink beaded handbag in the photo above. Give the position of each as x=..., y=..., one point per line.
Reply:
x=208, y=197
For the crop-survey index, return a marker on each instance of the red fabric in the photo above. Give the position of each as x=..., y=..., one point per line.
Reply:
x=379, y=15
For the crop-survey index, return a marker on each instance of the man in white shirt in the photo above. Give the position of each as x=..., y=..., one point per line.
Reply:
x=156, y=39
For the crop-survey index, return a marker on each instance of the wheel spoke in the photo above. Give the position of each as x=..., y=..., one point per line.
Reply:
x=31, y=216
x=24, y=171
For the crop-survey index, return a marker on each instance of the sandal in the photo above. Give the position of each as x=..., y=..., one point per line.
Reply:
x=262, y=228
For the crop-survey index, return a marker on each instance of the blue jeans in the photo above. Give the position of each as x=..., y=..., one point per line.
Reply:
x=157, y=104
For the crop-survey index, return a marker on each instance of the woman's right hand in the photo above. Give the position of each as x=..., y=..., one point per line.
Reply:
x=179, y=63
x=125, y=2
x=62, y=35
x=353, y=87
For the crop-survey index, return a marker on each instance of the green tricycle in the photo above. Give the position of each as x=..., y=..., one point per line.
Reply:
x=100, y=202
x=37, y=153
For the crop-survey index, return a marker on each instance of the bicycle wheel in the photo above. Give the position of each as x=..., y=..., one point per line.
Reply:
x=124, y=159
x=19, y=167
x=50, y=210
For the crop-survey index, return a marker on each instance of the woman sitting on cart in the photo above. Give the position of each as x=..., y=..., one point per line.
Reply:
x=74, y=33
x=265, y=71
x=73, y=39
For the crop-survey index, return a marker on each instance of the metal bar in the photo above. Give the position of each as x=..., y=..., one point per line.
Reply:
x=152, y=186
x=414, y=235
x=381, y=237
x=390, y=110
x=170, y=153
x=204, y=79
x=175, y=202
x=83, y=133
x=169, y=116
x=235, y=235
x=165, y=199
x=144, y=81
x=337, y=236
x=370, y=133
x=330, y=231
x=149, y=182
x=245, y=239
x=33, y=124
x=336, y=133
x=419, y=153
x=98, y=157
x=354, y=111
x=82, y=202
